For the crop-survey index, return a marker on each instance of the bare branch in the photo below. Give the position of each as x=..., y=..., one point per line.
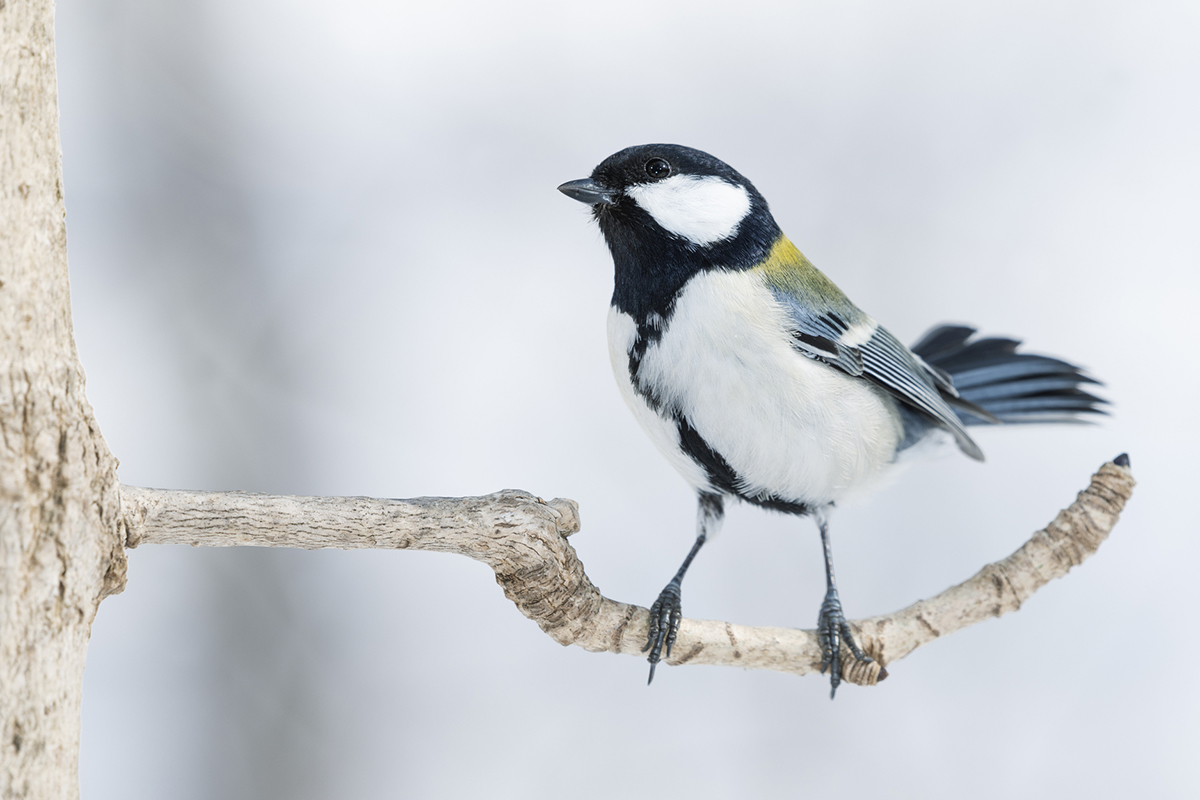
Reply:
x=523, y=538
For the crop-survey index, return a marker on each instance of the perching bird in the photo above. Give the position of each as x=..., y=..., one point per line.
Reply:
x=757, y=377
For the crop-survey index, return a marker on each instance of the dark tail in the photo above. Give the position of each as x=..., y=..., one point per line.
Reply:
x=1010, y=386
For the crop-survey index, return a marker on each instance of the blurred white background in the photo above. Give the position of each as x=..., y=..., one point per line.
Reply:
x=316, y=248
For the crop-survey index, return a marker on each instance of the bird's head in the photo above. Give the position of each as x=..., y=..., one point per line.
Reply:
x=668, y=212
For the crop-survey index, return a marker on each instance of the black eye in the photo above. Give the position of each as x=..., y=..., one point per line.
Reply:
x=657, y=168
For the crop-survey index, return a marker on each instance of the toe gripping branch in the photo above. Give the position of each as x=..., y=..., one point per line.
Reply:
x=667, y=611
x=665, y=616
x=832, y=628
x=832, y=632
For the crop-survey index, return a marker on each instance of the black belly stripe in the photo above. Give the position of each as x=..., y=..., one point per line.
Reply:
x=649, y=331
x=722, y=476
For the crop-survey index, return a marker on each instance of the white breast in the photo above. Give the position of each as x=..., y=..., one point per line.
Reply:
x=789, y=426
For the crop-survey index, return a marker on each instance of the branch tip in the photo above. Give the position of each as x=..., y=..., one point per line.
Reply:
x=567, y=520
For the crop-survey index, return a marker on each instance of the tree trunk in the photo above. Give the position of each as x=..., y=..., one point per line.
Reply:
x=60, y=552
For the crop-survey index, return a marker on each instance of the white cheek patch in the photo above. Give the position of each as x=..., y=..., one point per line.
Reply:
x=700, y=208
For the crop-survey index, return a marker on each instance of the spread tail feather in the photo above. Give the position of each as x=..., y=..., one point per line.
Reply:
x=1010, y=387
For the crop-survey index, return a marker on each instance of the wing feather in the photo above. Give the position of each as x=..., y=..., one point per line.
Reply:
x=860, y=347
x=890, y=364
x=827, y=327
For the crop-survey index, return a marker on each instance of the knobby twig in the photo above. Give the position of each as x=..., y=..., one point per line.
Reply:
x=523, y=538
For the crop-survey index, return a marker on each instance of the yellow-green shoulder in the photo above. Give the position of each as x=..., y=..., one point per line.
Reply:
x=786, y=269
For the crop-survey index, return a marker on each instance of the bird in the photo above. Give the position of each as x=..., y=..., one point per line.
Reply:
x=761, y=382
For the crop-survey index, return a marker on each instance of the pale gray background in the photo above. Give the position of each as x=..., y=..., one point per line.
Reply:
x=316, y=248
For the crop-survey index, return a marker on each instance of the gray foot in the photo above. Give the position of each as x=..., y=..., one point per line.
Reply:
x=665, y=615
x=832, y=632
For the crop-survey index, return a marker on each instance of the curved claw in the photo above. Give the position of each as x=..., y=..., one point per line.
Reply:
x=832, y=631
x=665, y=616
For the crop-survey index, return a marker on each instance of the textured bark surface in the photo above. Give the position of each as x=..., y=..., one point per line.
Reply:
x=60, y=551
x=523, y=538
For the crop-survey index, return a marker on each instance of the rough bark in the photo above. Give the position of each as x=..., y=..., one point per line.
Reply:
x=60, y=551
x=523, y=538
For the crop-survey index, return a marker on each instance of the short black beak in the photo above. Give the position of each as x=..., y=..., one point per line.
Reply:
x=586, y=190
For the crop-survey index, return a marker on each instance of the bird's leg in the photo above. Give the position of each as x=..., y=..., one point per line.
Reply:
x=667, y=612
x=832, y=628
